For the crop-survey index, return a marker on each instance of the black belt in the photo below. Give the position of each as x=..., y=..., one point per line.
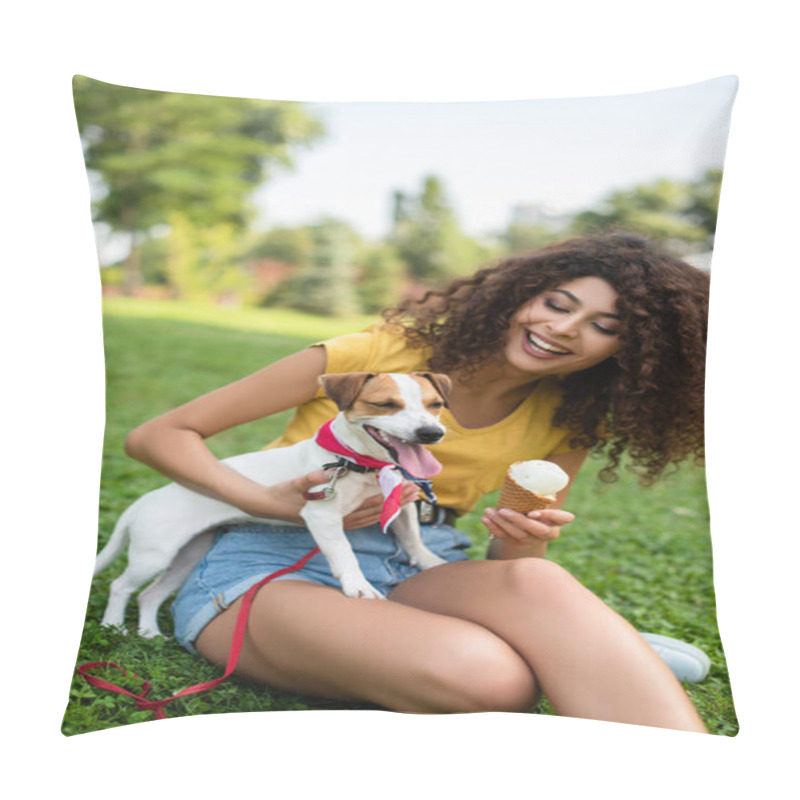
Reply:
x=430, y=514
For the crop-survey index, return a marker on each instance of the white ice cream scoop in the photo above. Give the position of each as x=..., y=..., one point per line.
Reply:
x=540, y=477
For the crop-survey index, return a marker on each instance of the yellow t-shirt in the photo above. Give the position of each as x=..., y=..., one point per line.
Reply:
x=474, y=460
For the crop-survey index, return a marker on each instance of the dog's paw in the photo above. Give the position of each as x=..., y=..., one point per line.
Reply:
x=149, y=633
x=115, y=626
x=362, y=589
x=427, y=560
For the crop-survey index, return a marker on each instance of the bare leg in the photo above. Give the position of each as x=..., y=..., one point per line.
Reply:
x=588, y=661
x=312, y=639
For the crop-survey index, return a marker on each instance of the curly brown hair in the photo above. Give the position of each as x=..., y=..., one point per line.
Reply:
x=648, y=399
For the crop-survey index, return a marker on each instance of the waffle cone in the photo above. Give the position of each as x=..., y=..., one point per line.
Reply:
x=517, y=498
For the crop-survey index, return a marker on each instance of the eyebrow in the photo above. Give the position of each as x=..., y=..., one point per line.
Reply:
x=580, y=303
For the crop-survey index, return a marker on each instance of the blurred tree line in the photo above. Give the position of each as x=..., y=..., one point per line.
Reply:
x=174, y=174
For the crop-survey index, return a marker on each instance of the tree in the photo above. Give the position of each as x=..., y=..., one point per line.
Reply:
x=326, y=284
x=427, y=236
x=381, y=278
x=676, y=213
x=292, y=245
x=705, y=200
x=157, y=154
x=521, y=237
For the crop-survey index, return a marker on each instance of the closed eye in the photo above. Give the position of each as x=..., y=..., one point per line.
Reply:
x=386, y=404
x=605, y=331
x=597, y=325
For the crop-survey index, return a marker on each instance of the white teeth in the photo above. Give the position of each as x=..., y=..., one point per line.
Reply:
x=537, y=342
x=377, y=434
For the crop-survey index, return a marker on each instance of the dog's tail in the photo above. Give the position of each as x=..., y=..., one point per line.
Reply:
x=115, y=545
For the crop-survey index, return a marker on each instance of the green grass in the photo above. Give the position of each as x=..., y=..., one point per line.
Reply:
x=647, y=553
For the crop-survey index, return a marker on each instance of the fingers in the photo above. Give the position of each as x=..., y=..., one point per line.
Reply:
x=551, y=516
x=315, y=478
x=285, y=500
x=410, y=493
x=369, y=512
x=511, y=526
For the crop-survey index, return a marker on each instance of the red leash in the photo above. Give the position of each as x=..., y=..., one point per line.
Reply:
x=156, y=706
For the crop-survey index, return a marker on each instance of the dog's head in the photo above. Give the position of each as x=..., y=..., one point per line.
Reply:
x=399, y=412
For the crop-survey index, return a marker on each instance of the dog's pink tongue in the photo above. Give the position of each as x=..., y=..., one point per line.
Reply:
x=416, y=459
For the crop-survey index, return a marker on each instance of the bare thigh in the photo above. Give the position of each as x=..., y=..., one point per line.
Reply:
x=312, y=639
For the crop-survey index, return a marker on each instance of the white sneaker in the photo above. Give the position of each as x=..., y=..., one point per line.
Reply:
x=687, y=662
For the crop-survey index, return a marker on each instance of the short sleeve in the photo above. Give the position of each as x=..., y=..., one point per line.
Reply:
x=353, y=352
x=379, y=348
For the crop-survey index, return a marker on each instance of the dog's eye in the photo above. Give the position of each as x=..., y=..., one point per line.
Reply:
x=387, y=404
x=436, y=404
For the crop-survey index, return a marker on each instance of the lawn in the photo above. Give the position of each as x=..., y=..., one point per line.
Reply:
x=647, y=553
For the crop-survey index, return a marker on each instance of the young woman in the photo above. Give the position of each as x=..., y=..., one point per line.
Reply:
x=597, y=342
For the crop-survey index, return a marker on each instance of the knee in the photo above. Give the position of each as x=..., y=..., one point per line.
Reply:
x=536, y=580
x=483, y=673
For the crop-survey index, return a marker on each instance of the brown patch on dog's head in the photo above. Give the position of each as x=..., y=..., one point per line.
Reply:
x=440, y=381
x=380, y=397
x=344, y=387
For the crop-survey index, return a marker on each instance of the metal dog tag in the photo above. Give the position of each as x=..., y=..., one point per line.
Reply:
x=329, y=491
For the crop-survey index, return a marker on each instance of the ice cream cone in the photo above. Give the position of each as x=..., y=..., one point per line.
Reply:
x=517, y=498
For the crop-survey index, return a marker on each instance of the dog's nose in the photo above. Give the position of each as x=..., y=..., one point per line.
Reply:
x=428, y=434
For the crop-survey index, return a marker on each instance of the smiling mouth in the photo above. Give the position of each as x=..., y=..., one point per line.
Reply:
x=546, y=347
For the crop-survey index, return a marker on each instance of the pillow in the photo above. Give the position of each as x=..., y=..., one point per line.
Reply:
x=234, y=232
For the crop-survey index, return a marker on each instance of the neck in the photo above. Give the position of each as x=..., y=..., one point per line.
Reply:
x=495, y=380
x=488, y=396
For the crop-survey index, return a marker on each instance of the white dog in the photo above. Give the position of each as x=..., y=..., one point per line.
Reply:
x=384, y=420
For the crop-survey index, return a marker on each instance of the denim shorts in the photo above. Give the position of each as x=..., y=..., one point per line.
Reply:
x=242, y=554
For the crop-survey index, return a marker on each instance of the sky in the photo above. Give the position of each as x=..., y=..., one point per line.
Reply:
x=563, y=154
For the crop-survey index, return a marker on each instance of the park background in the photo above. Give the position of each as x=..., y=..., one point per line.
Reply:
x=343, y=209
x=604, y=51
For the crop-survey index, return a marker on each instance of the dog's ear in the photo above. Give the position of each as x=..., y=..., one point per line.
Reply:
x=344, y=387
x=440, y=381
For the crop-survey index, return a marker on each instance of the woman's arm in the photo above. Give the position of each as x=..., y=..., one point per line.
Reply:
x=174, y=443
x=516, y=535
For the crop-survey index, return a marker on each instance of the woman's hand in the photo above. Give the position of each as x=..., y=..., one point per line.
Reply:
x=516, y=535
x=515, y=528
x=369, y=512
x=285, y=500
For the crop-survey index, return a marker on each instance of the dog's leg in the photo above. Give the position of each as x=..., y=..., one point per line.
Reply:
x=325, y=525
x=143, y=566
x=151, y=598
x=120, y=592
x=406, y=530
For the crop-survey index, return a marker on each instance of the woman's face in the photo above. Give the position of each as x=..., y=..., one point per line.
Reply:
x=565, y=329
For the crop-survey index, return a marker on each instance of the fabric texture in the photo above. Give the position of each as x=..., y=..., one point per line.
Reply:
x=475, y=459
